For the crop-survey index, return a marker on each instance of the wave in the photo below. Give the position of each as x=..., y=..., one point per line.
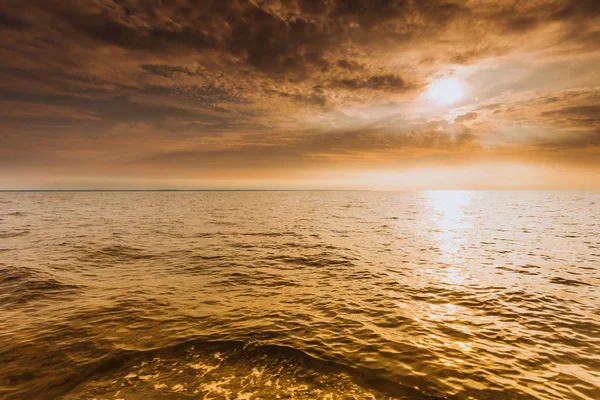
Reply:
x=21, y=285
x=230, y=369
x=18, y=214
x=317, y=260
x=568, y=282
x=118, y=252
x=11, y=234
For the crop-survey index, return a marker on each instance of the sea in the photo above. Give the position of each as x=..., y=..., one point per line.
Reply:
x=300, y=295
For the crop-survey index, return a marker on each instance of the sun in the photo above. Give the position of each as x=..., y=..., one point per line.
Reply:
x=446, y=90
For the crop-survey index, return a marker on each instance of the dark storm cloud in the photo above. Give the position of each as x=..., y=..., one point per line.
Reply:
x=264, y=40
x=273, y=44
x=273, y=38
x=281, y=35
x=298, y=38
x=132, y=26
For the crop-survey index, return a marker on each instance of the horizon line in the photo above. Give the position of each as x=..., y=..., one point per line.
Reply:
x=290, y=190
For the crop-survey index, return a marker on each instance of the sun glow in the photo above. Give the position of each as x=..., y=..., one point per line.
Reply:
x=446, y=90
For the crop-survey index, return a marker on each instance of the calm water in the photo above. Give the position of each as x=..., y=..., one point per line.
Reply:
x=305, y=295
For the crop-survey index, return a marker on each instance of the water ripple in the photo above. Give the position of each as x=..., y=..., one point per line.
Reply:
x=329, y=295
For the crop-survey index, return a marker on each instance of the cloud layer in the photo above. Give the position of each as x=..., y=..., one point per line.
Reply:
x=101, y=88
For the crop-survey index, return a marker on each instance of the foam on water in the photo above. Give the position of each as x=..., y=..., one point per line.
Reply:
x=232, y=371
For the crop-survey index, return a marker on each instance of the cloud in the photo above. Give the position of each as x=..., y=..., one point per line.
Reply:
x=569, y=109
x=26, y=111
x=387, y=82
x=470, y=116
x=349, y=65
x=562, y=121
x=9, y=22
x=318, y=81
x=168, y=71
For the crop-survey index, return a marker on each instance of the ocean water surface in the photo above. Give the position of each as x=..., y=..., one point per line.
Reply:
x=300, y=295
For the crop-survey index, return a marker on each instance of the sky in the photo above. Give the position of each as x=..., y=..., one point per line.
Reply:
x=300, y=94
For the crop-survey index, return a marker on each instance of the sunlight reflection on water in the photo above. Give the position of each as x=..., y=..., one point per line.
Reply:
x=485, y=295
x=448, y=209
